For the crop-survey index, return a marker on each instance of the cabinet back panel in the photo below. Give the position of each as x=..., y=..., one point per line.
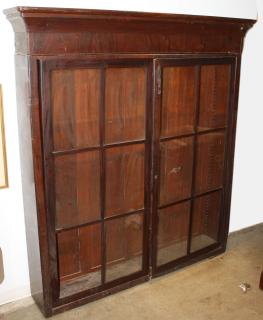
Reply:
x=209, y=162
x=173, y=232
x=124, y=179
x=179, y=100
x=75, y=108
x=124, y=246
x=214, y=96
x=205, y=225
x=176, y=170
x=77, y=188
x=79, y=259
x=125, y=104
x=79, y=251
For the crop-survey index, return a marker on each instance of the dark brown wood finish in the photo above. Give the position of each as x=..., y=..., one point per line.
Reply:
x=122, y=32
x=133, y=119
x=116, y=179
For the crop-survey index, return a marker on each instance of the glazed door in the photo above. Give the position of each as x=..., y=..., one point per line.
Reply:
x=193, y=120
x=97, y=158
x=124, y=192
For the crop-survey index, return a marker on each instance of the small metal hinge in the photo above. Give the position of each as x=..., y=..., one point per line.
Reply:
x=159, y=79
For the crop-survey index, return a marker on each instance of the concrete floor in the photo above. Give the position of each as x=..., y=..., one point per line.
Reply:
x=205, y=291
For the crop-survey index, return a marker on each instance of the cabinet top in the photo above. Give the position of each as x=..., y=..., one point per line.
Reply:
x=114, y=14
x=174, y=29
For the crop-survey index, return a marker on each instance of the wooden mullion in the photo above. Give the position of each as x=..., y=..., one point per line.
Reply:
x=102, y=175
x=86, y=149
x=187, y=135
x=59, y=230
x=190, y=198
x=124, y=143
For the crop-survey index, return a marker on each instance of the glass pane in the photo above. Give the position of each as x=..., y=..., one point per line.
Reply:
x=79, y=253
x=209, y=162
x=214, y=96
x=77, y=188
x=125, y=104
x=205, y=225
x=124, y=246
x=176, y=170
x=75, y=96
x=179, y=100
x=124, y=179
x=173, y=229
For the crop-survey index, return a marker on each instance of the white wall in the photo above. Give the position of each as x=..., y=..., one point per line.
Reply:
x=247, y=204
x=247, y=207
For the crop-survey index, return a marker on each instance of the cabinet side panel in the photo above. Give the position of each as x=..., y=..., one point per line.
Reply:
x=25, y=101
x=231, y=147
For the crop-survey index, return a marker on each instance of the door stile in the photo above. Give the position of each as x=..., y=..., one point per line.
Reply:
x=157, y=99
x=49, y=174
x=197, y=107
x=147, y=227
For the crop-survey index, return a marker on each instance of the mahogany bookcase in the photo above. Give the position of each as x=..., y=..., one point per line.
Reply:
x=127, y=124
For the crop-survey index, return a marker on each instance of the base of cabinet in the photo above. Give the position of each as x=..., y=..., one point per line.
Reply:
x=214, y=251
x=85, y=300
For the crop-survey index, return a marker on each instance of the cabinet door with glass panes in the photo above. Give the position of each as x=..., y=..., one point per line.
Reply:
x=97, y=171
x=135, y=166
x=193, y=116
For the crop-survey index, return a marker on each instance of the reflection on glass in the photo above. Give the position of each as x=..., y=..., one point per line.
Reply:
x=124, y=179
x=209, y=162
x=79, y=257
x=125, y=104
x=75, y=96
x=178, y=100
x=176, y=170
x=124, y=246
x=173, y=228
x=214, y=96
x=77, y=188
x=205, y=225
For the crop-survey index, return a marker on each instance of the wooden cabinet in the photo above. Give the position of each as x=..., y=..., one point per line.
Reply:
x=132, y=121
